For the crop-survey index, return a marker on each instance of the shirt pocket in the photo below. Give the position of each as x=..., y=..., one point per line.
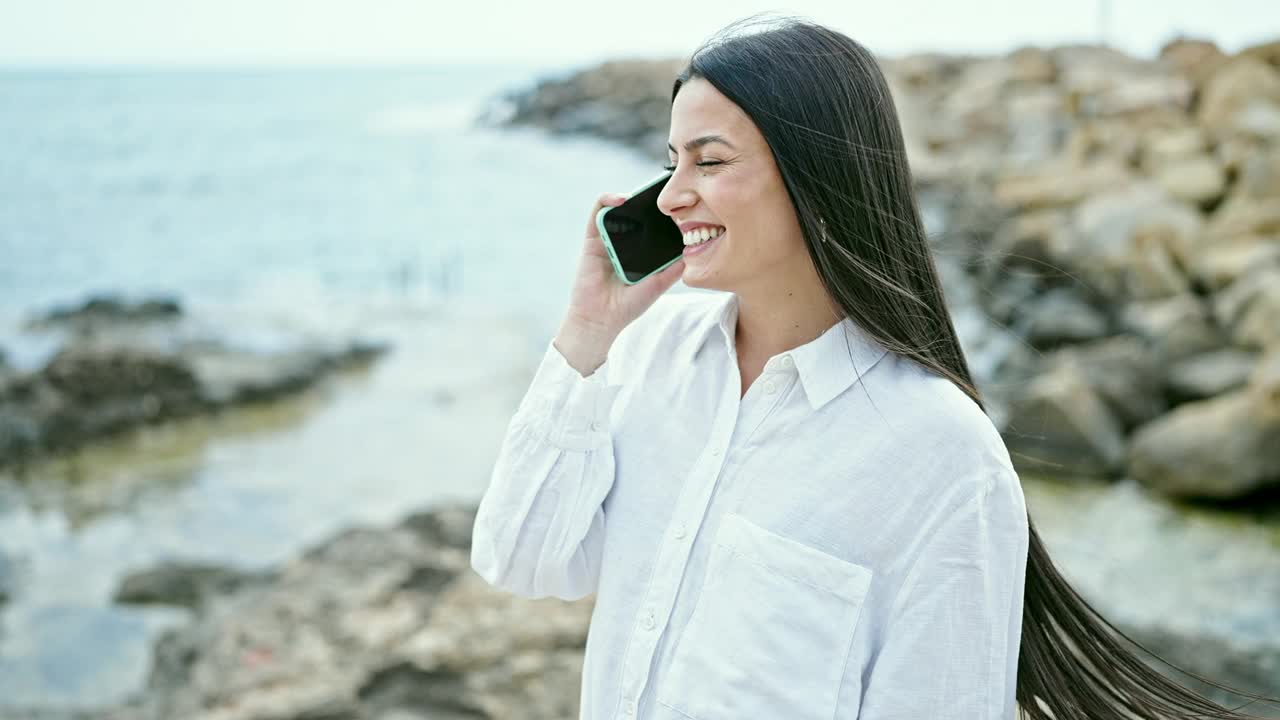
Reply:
x=771, y=631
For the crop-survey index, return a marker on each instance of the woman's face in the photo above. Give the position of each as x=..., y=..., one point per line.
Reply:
x=733, y=183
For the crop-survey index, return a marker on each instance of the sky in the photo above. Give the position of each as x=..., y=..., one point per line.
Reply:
x=338, y=32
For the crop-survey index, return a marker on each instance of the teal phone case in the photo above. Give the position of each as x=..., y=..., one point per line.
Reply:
x=608, y=244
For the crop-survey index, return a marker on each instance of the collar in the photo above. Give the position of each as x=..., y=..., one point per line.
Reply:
x=827, y=365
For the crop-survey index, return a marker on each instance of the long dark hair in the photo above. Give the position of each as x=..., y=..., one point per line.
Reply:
x=823, y=105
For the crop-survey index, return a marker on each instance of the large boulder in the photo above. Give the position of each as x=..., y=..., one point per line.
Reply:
x=1059, y=425
x=1222, y=448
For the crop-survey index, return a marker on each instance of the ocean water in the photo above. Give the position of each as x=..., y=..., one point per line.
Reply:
x=291, y=188
x=345, y=202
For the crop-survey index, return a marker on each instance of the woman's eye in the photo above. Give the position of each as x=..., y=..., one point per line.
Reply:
x=670, y=168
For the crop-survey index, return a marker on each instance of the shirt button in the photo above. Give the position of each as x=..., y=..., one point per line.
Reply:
x=595, y=425
x=787, y=361
x=630, y=707
x=680, y=531
x=648, y=621
x=770, y=388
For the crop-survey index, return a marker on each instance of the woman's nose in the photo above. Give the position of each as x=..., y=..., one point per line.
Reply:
x=673, y=197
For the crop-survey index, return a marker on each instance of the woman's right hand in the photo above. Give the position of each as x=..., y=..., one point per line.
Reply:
x=600, y=302
x=601, y=305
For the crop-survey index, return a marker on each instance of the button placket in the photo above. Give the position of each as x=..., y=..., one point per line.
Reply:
x=666, y=585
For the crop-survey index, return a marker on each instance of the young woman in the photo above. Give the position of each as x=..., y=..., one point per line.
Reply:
x=786, y=495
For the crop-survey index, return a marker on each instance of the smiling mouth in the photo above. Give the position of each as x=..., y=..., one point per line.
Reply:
x=703, y=235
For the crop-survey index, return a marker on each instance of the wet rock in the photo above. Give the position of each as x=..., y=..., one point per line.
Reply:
x=103, y=309
x=182, y=584
x=121, y=369
x=1222, y=448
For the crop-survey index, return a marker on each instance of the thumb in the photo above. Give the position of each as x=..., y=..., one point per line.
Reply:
x=669, y=276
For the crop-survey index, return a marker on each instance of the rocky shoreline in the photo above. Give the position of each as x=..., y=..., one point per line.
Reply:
x=1119, y=215
x=122, y=365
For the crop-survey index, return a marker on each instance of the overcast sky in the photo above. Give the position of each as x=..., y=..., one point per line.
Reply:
x=169, y=32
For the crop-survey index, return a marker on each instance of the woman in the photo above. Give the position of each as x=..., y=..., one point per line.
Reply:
x=787, y=496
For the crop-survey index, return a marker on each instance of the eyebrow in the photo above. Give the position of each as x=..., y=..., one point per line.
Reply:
x=704, y=140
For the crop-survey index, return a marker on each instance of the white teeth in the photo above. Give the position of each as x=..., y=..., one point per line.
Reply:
x=701, y=235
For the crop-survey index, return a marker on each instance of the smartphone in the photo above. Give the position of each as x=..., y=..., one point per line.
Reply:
x=640, y=239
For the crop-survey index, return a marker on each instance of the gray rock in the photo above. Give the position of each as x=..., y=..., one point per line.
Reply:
x=1060, y=316
x=1225, y=447
x=183, y=584
x=1212, y=373
x=1174, y=328
x=1250, y=309
x=1124, y=373
x=1058, y=425
x=104, y=309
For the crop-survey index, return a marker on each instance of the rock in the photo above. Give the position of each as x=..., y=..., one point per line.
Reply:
x=112, y=375
x=1266, y=372
x=374, y=623
x=1267, y=52
x=1225, y=447
x=1154, y=269
x=1259, y=171
x=1196, y=179
x=230, y=377
x=103, y=309
x=182, y=584
x=1060, y=186
x=1166, y=146
x=1209, y=374
x=7, y=581
x=1243, y=216
x=1175, y=327
x=1107, y=224
x=1222, y=264
x=625, y=101
x=1058, y=425
x=1123, y=372
x=1194, y=58
x=1250, y=308
x=1060, y=316
x=1032, y=65
x=1238, y=85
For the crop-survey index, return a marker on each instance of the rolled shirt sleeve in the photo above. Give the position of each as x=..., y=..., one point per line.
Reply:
x=950, y=649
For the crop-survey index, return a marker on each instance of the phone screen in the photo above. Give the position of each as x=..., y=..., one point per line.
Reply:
x=643, y=240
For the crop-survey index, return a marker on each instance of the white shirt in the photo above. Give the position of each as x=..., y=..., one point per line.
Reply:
x=847, y=540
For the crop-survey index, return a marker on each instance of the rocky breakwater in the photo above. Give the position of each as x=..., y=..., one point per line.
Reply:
x=1136, y=252
x=119, y=365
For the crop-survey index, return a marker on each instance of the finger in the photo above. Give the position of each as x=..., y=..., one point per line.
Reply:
x=612, y=199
